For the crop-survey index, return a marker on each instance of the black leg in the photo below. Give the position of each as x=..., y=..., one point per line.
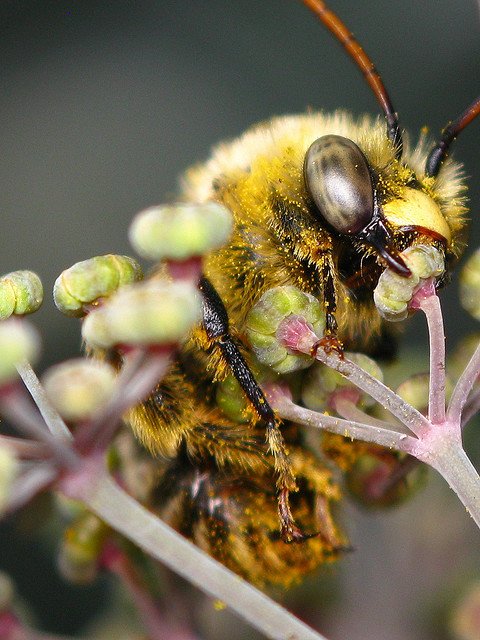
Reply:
x=215, y=320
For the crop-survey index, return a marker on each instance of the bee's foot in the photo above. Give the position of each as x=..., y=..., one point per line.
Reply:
x=290, y=531
x=328, y=343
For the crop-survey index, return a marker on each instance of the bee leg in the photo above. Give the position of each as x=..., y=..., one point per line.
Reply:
x=329, y=342
x=215, y=320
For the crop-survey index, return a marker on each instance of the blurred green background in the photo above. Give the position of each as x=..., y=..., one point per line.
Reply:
x=104, y=104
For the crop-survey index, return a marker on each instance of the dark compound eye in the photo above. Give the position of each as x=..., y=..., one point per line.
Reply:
x=339, y=181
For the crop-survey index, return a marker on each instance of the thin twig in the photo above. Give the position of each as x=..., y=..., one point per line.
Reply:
x=287, y=410
x=144, y=374
x=410, y=417
x=430, y=305
x=25, y=449
x=52, y=418
x=28, y=484
x=349, y=410
x=158, y=622
x=463, y=387
x=16, y=407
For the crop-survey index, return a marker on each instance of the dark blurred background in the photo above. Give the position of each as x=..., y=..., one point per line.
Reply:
x=104, y=104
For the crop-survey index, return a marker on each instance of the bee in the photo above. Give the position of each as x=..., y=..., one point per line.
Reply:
x=326, y=203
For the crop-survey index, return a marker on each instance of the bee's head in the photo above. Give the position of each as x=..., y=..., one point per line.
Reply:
x=343, y=188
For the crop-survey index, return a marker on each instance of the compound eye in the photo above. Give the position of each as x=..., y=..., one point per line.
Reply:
x=339, y=181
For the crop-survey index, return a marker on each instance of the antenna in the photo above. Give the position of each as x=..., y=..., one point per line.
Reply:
x=346, y=38
x=440, y=151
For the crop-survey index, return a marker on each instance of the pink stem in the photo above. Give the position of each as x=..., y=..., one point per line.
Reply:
x=463, y=387
x=385, y=437
x=140, y=375
x=16, y=407
x=157, y=623
x=25, y=449
x=427, y=300
x=29, y=484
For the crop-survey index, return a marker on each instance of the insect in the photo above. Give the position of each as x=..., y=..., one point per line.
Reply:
x=326, y=203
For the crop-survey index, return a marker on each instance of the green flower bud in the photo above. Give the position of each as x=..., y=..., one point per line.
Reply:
x=321, y=382
x=393, y=292
x=231, y=400
x=153, y=312
x=265, y=318
x=8, y=472
x=81, y=547
x=78, y=388
x=461, y=355
x=180, y=231
x=371, y=479
x=463, y=623
x=21, y=292
x=89, y=280
x=470, y=285
x=18, y=341
x=415, y=391
x=7, y=592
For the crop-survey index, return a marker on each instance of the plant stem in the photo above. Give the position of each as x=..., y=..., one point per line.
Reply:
x=52, y=419
x=16, y=407
x=464, y=386
x=447, y=456
x=287, y=410
x=129, y=518
x=430, y=305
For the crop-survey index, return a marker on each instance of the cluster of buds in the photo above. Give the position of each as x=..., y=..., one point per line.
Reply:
x=141, y=320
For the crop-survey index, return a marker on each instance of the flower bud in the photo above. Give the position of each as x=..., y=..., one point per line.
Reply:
x=21, y=292
x=19, y=341
x=394, y=292
x=231, y=400
x=81, y=547
x=371, y=479
x=7, y=592
x=87, y=281
x=322, y=384
x=415, y=390
x=470, y=285
x=155, y=312
x=78, y=388
x=264, y=321
x=180, y=231
x=8, y=472
x=463, y=624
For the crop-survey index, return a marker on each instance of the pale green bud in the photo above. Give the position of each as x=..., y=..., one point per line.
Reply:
x=21, y=292
x=415, y=391
x=153, y=312
x=231, y=400
x=368, y=479
x=89, y=280
x=463, y=619
x=321, y=382
x=265, y=318
x=8, y=472
x=19, y=341
x=81, y=547
x=180, y=231
x=7, y=592
x=394, y=292
x=78, y=388
x=470, y=285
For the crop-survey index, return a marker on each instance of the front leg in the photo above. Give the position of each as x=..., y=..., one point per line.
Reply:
x=215, y=320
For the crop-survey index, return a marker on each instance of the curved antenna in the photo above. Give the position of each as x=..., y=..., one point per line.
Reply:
x=346, y=38
x=440, y=151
